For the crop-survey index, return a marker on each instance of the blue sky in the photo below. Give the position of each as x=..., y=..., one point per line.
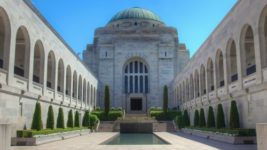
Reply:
x=76, y=20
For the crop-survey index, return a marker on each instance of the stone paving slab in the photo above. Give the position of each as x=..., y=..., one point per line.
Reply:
x=178, y=141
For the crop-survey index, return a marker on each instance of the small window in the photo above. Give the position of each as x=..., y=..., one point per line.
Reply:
x=106, y=54
x=165, y=54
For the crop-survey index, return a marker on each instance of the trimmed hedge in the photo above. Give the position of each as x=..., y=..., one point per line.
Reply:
x=50, y=122
x=196, y=119
x=77, y=119
x=202, y=120
x=220, y=123
x=160, y=115
x=232, y=132
x=60, y=119
x=93, y=120
x=31, y=133
x=112, y=115
x=234, y=116
x=37, y=123
x=70, y=120
x=211, y=119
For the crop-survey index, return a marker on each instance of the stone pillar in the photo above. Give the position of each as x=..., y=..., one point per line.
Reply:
x=261, y=136
x=5, y=138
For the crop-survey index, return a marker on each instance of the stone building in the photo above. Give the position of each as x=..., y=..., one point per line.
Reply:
x=230, y=65
x=135, y=54
x=36, y=64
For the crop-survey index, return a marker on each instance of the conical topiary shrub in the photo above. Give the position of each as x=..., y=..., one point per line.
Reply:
x=86, y=118
x=196, y=119
x=50, y=122
x=211, y=119
x=70, y=120
x=234, y=117
x=77, y=119
x=37, y=123
x=60, y=118
x=186, y=119
x=107, y=100
x=165, y=99
x=220, y=117
x=202, y=120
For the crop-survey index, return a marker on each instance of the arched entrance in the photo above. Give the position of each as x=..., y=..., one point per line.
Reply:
x=136, y=85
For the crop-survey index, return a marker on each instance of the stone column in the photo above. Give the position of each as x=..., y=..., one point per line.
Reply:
x=261, y=136
x=5, y=138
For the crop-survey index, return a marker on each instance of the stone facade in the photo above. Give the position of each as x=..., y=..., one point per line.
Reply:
x=37, y=65
x=135, y=39
x=230, y=65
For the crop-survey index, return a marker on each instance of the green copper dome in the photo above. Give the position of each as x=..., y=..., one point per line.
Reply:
x=135, y=13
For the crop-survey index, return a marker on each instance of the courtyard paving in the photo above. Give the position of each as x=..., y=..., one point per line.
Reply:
x=178, y=141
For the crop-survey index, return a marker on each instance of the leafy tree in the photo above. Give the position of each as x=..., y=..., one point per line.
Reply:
x=77, y=119
x=70, y=120
x=37, y=123
x=211, y=119
x=86, y=119
x=186, y=118
x=202, y=120
x=196, y=118
x=50, y=122
x=165, y=99
x=60, y=118
x=234, y=116
x=107, y=100
x=220, y=117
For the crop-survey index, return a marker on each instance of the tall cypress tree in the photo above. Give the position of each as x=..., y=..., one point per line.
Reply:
x=202, y=120
x=165, y=99
x=234, y=116
x=70, y=120
x=50, y=122
x=211, y=119
x=60, y=118
x=220, y=117
x=186, y=118
x=107, y=100
x=77, y=119
x=196, y=119
x=37, y=123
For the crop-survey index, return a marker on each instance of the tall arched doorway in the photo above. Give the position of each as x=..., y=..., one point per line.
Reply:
x=136, y=85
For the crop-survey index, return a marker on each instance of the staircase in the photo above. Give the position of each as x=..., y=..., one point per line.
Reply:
x=158, y=126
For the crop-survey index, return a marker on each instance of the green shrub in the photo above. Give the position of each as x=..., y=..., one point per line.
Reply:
x=97, y=108
x=211, y=119
x=107, y=100
x=85, y=122
x=112, y=115
x=186, y=118
x=160, y=115
x=179, y=121
x=165, y=99
x=155, y=109
x=196, y=119
x=50, y=122
x=202, y=120
x=77, y=119
x=60, y=119
x=220, y=117
x=37, y=123
x=70, y=120
x=234, y=117
x=93, y=120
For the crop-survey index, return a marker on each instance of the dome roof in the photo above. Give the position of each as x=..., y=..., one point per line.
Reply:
x=135, y=13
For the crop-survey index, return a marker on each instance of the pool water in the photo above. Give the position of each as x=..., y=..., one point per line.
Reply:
x=135, y=139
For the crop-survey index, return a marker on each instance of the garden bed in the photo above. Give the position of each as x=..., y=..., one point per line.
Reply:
x=33, y=138
x=232, y=136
